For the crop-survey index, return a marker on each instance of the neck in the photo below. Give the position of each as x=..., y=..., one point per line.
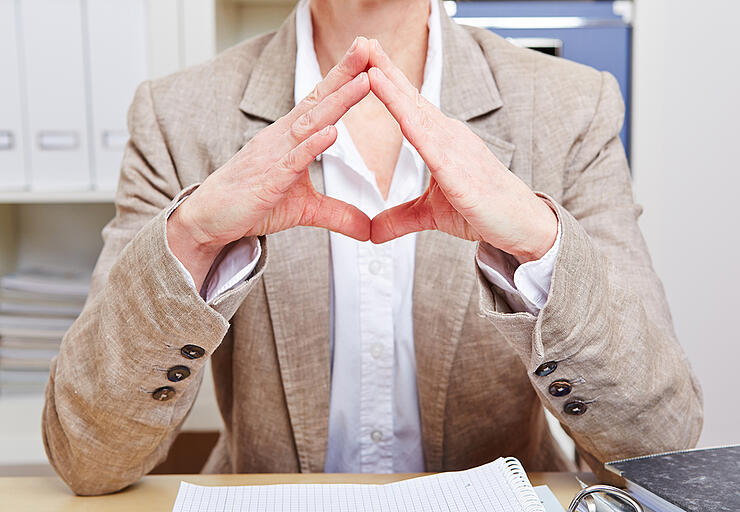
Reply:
x=399, y=25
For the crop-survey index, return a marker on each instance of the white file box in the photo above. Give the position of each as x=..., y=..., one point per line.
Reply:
x=116, y=38
x=53, y=58
x=12, y=164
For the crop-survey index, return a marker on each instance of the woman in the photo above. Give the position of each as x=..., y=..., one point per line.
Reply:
x=369, y=268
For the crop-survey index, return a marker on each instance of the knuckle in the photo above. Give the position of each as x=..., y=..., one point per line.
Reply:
x=301, y=128
x=445, y=162
x=294, y=161
x=341, y=68
x=267, y=196
x=308, y=215
x=424, y=118
x=289, y=162
x=407, y=120
x=307, y=119
x=417, y=118
x=346, y=216
x=388, y=226
x=420, y=213
x=312, y=99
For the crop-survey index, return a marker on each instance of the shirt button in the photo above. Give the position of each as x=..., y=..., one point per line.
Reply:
x=178, y=373
x=376, y=436
x=192, y=351
x=575, y=408
x=375, y=267
x=376, y=350
x=546, y=369
x=163, y=394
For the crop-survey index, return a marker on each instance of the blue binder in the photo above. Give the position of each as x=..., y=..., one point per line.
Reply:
x=596, y=33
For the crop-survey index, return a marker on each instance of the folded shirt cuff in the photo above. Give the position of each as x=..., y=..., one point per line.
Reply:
x=234, y=265
x=526, y=286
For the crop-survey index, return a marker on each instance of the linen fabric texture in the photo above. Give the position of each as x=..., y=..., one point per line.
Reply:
x=606, y=322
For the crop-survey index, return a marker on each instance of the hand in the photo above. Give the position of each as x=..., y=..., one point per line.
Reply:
x=265, y=187
x=471, y=194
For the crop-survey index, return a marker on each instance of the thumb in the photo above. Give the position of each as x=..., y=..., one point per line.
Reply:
x=335, y=215
x=401, y=220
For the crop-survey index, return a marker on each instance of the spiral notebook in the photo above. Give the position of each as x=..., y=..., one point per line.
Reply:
x=500, y=486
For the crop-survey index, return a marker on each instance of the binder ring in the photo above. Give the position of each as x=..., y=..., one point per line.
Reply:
x=606, y=489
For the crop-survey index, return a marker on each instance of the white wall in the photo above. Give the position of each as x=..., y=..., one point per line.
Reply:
x=686, y=114
x=240, y=20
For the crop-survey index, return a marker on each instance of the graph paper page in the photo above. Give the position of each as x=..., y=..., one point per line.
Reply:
x=486, y=488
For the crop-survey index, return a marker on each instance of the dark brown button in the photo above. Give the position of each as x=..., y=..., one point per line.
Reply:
x=178, y=373
x=546, y=369
x=575, y=408
x=192, y=351
x=163, y=394
x=557, y=388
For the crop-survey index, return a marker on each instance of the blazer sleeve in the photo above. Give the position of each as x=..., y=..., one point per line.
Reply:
x=606, y=327
x=111, y=412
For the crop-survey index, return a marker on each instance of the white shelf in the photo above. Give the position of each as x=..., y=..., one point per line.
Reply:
x=52, y=196
x=20, y=430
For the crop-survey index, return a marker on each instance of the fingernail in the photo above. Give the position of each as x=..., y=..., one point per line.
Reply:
x=326, y=130
x=354, y=45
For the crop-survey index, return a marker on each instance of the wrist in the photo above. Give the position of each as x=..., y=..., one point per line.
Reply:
x=541, y=237
x=191, y=245
x=190, y=230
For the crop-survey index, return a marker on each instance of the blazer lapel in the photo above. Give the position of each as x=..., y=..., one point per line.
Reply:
x=297, y=285
x=297, y=275
x=444, y=276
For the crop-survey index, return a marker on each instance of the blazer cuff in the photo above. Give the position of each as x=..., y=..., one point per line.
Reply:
x=565, y=322
x=527, y=286
x=165, y=313
x=227, y=299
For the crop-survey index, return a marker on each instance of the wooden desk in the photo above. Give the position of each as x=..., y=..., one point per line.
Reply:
x=157, y=492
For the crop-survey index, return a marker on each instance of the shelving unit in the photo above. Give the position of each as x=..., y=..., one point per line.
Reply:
x=63, y=227
x=35, y=231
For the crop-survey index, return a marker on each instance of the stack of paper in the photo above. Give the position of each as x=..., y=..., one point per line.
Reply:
x=36, y=309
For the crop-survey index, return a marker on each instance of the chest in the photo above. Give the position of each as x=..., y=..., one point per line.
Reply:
x=377, y=137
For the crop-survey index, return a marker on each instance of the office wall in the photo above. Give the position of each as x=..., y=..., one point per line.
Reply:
x=686, y=114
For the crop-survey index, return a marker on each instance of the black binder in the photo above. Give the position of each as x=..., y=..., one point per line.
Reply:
x=700, y=480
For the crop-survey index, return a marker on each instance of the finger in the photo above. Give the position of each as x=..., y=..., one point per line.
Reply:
x=352, y=64
x=326, y=113
x=379, y=59
x=401, y=220
x=335, y=215
x=299, y=158
x=419, y=120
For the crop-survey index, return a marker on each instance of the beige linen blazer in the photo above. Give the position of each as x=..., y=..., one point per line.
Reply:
x=606, y=324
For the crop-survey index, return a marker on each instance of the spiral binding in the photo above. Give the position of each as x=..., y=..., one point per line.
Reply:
x=517, y=479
